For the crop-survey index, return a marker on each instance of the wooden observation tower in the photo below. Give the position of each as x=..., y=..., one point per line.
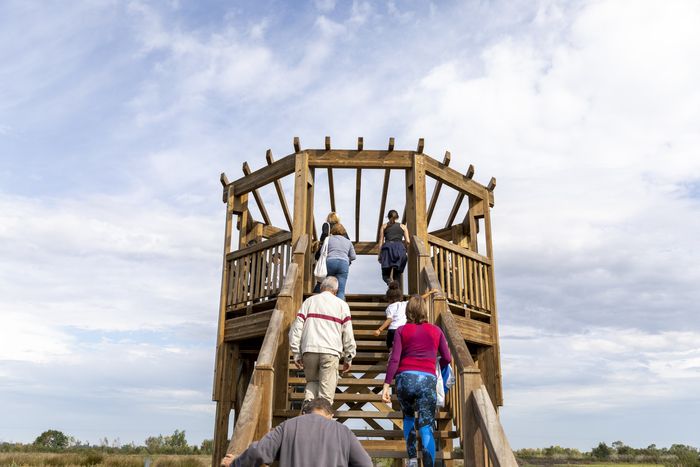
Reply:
x=268, y=274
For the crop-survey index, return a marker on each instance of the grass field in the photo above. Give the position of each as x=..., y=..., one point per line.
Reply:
x=17, y=459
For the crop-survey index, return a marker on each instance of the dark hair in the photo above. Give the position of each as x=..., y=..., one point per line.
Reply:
x=415, y=310
x=392, y=216
x=318, y=404
x=393, y=293
x=338, y=229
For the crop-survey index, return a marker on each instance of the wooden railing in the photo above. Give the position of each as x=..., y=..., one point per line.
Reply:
x=256, y=273
x=473, y=414
x=465, y=276
x=255, y=417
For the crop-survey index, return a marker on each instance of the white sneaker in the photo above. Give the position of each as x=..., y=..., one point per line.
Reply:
x=412, y=462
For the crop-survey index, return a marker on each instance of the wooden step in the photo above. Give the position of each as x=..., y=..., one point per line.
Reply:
x=366, y=324
x=372, y=345
x=367, y=382
x=398, y=434
x=368, y=334
x=401, y=454
x=365, y=314
x=345, y=397
x=365, y=357
x=441, y=415
x=368, y=306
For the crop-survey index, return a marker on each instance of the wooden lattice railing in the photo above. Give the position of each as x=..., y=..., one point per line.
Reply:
x=256, y=273
x=473, y=414
x=465, y=276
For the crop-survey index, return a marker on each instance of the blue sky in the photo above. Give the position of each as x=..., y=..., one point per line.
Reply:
x=116, y=119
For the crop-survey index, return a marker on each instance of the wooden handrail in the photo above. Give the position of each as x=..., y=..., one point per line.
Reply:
x=499, y=449
x=276, y=240
x=458, y=249
x=255, y=417
x=471, y=406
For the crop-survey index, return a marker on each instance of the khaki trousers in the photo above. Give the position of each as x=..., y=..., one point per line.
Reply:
x=321, y=371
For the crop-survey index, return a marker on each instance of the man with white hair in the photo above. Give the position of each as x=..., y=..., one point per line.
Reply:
x=319, y=337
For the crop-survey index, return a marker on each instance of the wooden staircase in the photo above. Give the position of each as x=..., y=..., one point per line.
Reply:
x=358, y=402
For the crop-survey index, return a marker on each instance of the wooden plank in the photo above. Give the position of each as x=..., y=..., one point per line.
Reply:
x=458, y=249
x=280, y=191
x=297, y=145
x=358, y=186
x=361, y=414
x=366, y=248
x=455, y=208
x=437, y=189
x=365, y=159
x=262, y=177
x=474, y=331
x=454, y=179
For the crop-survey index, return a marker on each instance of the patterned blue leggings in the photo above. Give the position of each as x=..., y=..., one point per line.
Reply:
x=416, y=393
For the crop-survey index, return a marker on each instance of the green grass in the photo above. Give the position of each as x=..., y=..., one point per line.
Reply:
x=87, y=459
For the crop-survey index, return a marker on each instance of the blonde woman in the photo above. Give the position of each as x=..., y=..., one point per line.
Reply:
x=331, y=219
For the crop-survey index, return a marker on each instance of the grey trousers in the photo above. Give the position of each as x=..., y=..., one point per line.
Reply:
x=321, y=371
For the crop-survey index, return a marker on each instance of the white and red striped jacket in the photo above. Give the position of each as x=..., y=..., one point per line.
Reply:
x=323, y=325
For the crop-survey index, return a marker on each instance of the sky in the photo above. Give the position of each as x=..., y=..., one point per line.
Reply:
x=117, y=117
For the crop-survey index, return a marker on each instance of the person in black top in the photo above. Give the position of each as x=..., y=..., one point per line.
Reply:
x=393, y=243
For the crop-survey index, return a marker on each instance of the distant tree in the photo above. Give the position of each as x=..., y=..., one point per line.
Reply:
x=52, y=439
x=602, y=451
x=207, y=446
x=687, y=455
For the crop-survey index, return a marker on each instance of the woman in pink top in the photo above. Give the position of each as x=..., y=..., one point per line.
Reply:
x=412, y=361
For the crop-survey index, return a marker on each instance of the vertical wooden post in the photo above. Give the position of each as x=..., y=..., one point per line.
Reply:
x=472, y=442
x=224, y=364
x=495, y=351
x=415, y=216
x=309, y=280
x=302, y=219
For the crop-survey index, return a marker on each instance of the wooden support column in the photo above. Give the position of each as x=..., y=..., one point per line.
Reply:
x=415, y=216
x=285, y=303
x=472, y=442
x=303, y=218
x=225, y=399
x=494, y=353
x=309, y=280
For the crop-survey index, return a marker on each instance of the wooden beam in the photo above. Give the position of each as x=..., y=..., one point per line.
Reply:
x=280, y=191
x=391, y=143
x=382, y=205
x=258, y=198
x=297, y=145
x=492, y=184
x=436, y=190
x=460, y=198
x=262, y=177
x=421, y=145
x=360, y=143
x=331, y=189
x=224, y=183
x=366, y=248
x=328, y=143
x=365, y=159
x=454, y=179
x=358, y=186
